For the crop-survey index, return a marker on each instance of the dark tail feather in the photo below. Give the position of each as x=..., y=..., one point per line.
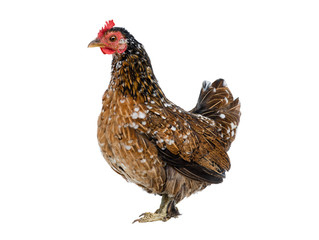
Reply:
x=217, y=103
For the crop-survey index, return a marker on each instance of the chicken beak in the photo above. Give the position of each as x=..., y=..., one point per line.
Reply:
x=96, y=43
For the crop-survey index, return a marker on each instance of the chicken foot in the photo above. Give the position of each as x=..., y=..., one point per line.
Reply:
x=166, y=211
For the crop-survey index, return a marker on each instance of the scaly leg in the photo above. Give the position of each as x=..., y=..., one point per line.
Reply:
x=166, y=211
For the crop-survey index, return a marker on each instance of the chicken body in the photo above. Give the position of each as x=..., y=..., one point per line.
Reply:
x=157, y=145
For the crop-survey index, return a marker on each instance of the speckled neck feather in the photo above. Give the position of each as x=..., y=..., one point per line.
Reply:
x=132, y=72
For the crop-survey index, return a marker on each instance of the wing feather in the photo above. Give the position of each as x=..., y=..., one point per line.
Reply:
x=186, y=142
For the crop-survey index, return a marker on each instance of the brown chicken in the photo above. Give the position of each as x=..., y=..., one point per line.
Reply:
x=149, y=140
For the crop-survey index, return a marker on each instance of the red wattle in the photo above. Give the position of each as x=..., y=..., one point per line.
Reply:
x=107, y=50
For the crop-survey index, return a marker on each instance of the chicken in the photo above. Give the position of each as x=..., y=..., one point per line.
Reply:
x=149, y=140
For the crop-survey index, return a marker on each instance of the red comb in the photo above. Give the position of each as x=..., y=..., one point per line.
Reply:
x=108, y=26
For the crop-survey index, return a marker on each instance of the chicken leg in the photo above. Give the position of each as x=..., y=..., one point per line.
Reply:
x=166, y=211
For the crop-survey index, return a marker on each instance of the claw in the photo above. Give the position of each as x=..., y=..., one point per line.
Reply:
x=136, y=220
x=151, y=217
x=142, y=216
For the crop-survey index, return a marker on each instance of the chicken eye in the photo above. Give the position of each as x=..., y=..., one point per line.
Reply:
x=112, y=38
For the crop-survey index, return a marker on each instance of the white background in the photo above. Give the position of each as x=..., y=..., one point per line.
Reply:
x=54, y=183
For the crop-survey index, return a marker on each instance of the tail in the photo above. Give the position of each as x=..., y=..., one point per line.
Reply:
x=217, y=103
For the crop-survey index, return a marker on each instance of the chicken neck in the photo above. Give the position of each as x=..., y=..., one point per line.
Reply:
x=132, y=74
